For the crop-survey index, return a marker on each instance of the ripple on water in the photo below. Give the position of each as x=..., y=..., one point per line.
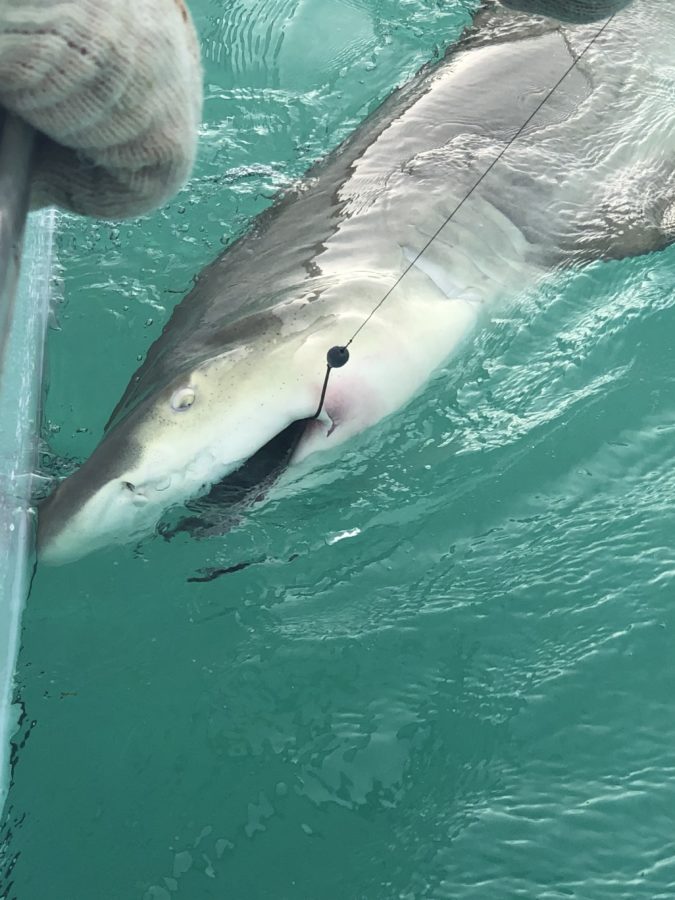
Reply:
x=467, y=696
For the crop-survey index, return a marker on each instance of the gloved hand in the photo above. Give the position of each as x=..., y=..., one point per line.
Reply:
x=115, y=91
x=568, y=10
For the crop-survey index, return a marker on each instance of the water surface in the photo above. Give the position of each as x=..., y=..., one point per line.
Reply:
x=461, y=685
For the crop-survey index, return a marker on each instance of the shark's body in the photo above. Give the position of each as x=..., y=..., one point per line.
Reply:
x=243, y=355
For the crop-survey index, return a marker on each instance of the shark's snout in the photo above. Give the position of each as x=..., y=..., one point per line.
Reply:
x=83, y=510
x=72, y=524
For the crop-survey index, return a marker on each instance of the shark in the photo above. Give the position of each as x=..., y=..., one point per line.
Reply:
x=230, y=394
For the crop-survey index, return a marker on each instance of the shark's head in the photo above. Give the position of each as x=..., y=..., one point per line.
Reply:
x=184, y=438
x=192, y=429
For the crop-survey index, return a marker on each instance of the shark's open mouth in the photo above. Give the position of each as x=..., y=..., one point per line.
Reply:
x=262, y=469
x=217, y=510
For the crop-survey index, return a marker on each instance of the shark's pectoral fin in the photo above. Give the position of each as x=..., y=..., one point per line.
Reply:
x=641, y=221
x=626, y=241
x=627, y=238
x=667, y=224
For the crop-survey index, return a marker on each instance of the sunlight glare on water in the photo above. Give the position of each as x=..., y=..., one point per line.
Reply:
x=448, y=671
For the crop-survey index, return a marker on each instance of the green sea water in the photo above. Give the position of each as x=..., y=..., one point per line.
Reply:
x=453, y=675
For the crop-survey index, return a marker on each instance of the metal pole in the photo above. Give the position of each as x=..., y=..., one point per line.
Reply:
x=16, y=150
x=21, y=352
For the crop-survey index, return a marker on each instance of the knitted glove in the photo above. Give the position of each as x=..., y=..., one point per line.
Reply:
x=568, y=10
x=114, y=89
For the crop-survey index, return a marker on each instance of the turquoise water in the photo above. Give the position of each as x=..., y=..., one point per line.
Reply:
x=462, y=684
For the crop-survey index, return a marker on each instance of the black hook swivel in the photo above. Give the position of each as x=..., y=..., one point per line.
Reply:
x=336, y=358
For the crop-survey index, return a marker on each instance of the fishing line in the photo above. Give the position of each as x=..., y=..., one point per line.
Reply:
x=339, y=355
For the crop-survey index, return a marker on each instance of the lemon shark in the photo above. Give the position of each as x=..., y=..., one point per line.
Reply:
x=227, y=395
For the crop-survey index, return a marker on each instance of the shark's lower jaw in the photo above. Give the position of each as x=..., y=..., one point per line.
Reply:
x=143, y=505
x=215, y=511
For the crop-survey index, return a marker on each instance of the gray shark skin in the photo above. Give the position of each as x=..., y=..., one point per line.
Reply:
x=568, y=10
x=243, y=355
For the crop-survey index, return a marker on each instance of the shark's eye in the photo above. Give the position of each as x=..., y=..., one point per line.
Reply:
x=182, y=399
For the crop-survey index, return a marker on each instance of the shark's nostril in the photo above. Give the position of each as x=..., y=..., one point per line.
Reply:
x=128, y=485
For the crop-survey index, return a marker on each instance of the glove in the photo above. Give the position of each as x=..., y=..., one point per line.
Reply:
x=114, y=90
